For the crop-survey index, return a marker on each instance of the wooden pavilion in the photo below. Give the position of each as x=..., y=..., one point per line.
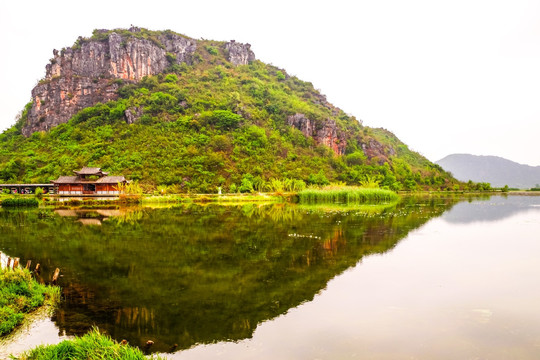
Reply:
x=89, y=181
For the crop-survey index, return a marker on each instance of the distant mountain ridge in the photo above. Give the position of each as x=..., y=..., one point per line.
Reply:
x=493, y=169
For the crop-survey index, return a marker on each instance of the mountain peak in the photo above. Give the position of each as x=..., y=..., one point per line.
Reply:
x=195, y=115
x=496, y=170
x=84, y=74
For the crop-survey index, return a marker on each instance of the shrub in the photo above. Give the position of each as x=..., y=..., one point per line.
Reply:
x=171, y=78
x=356, y=158
x=171, y=58
x=20, y=202
x=318, y=179
x=212, y=50
x=39, y=193
x=223, y=119
x=246, y=186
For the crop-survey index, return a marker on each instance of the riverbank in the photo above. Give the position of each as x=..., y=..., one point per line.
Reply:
x=20, y=296
x=91, y=346
x=57, y=202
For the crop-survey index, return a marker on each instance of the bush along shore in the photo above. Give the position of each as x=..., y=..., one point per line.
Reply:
x=92, y=346
x=20, y=294
x=19, y=202
x=346, y=195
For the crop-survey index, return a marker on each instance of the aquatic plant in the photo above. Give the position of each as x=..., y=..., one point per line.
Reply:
x=346, y=194
x=93, y=345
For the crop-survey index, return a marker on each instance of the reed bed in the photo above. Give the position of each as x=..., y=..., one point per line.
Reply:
x=346, y=195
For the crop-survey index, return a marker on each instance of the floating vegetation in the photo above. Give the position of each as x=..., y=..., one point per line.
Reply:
x=346, y=195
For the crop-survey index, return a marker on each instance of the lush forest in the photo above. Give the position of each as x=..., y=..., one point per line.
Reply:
x=212, y=124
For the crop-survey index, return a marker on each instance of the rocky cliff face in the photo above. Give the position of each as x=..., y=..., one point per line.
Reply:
x=325, y=133
x=85, y=75
x=239, y=54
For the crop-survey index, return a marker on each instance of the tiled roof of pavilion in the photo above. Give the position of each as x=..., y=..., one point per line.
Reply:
x=66, y=180
x=111, y=180
x=78, y=180
x=90, y=171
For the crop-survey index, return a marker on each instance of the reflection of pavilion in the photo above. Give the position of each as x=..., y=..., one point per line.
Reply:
x=91, y=217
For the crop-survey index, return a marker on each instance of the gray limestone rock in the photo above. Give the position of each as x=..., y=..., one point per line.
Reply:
x=239, y=54
x=86, y=74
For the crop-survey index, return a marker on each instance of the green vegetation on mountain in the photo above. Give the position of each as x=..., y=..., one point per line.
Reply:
x=212, y=124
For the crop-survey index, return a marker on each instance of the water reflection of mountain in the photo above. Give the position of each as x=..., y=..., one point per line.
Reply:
x=194, y=274
x=494, y=208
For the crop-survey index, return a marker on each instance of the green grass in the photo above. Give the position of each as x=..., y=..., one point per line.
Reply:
x=93, y=345
x=20, y=294
x=346, y=195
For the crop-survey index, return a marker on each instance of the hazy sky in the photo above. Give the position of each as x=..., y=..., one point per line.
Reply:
x=444, y=76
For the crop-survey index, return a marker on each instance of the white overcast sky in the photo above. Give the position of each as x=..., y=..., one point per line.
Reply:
x=460, y=76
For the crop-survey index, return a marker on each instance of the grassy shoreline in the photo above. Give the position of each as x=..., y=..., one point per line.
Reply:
x=91, y=346
x=325, y=195
x=20, y=294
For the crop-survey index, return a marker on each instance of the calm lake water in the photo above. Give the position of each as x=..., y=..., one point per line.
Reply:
x=429, y=278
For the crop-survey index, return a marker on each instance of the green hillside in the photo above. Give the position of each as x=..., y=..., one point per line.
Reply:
x=211, y=124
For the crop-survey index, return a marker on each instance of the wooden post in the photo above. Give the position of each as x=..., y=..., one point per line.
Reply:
x=28, y=263
x=8, y=263
x=55, y=276
x=16, y=263
x=36, y=270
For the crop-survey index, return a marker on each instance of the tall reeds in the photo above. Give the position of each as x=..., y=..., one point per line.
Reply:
x=346, y=194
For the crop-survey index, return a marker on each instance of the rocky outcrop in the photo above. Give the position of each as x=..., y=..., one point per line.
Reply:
x=324, y=133
x=86, y=74
x=375, y=150
x=239, y=54
x=132, y=114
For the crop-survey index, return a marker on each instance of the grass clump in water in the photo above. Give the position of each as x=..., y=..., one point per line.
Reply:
x=91, y=346
x=346, y=195
x=20, y=294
